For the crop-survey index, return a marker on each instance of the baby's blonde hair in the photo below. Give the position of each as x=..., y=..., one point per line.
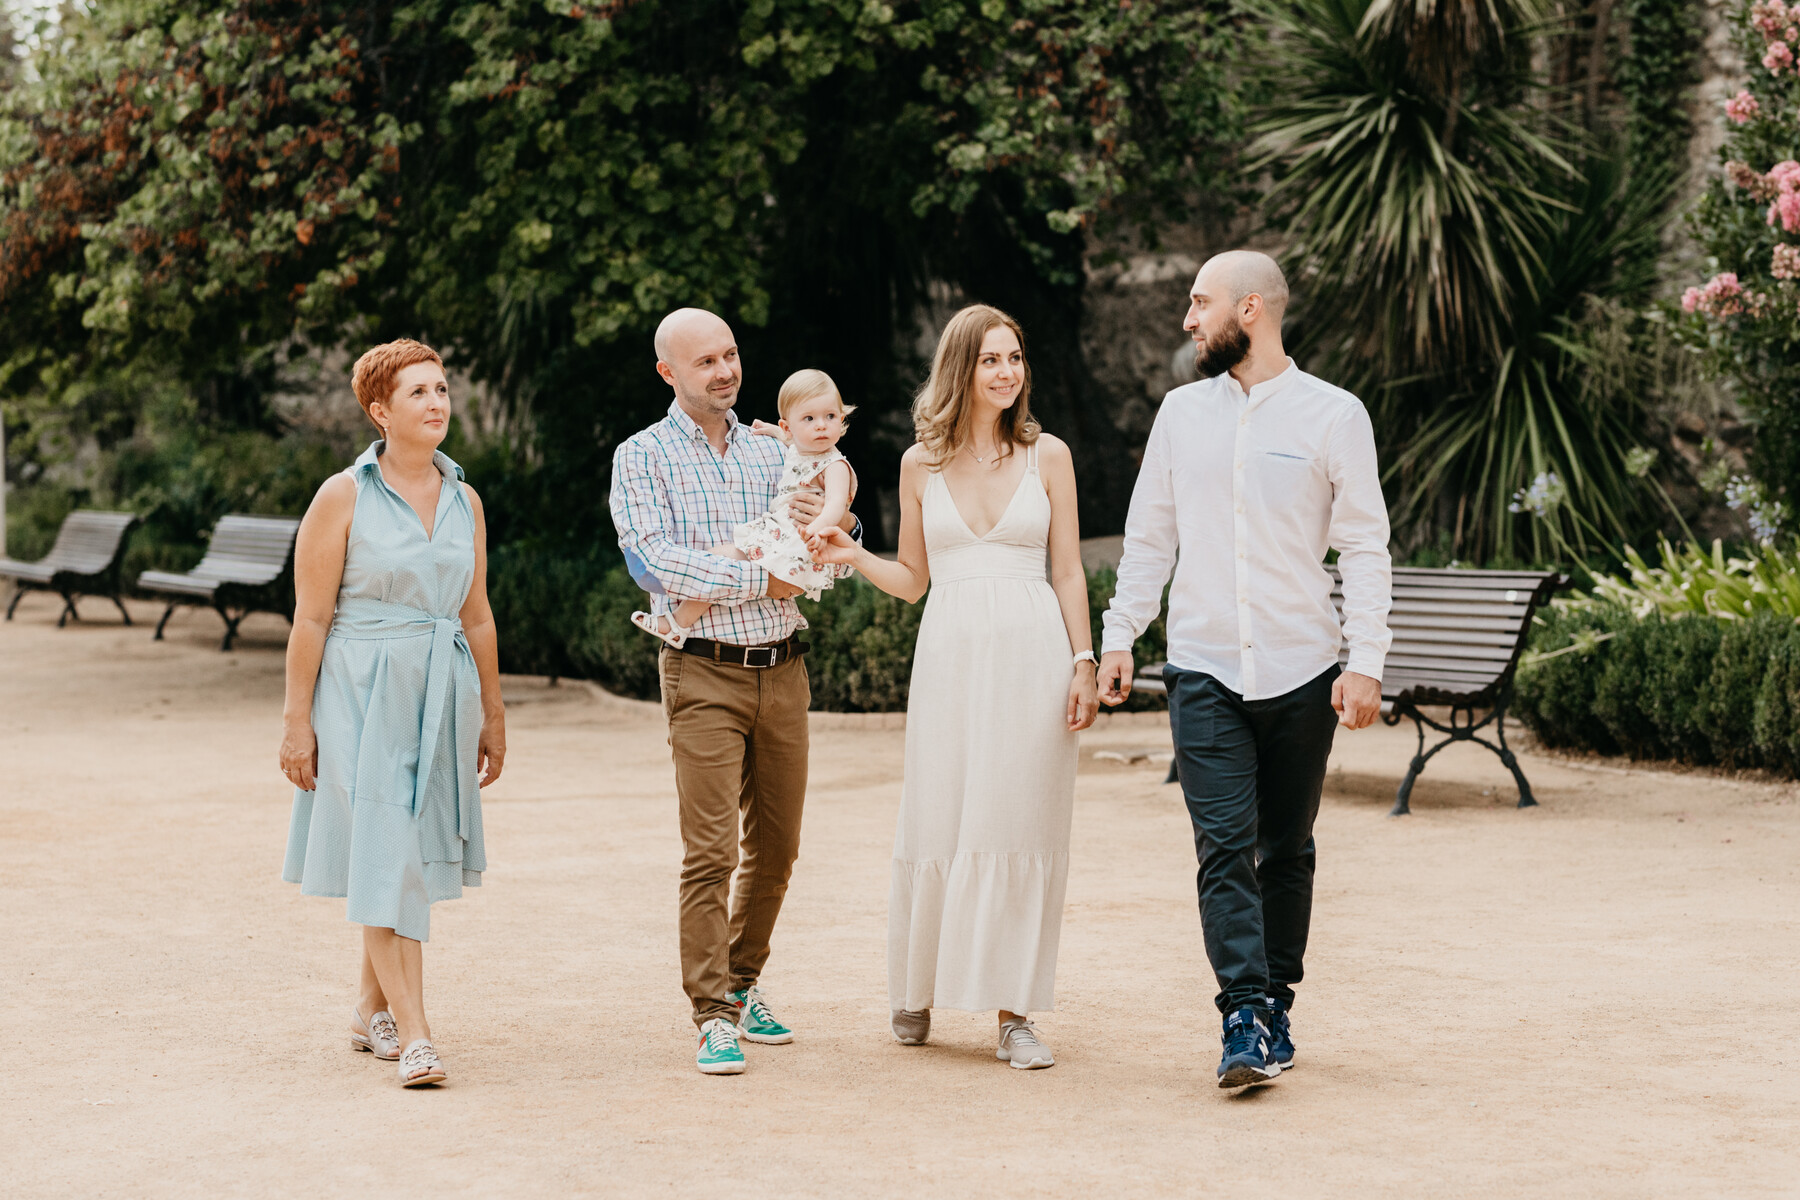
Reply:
x=809, y=384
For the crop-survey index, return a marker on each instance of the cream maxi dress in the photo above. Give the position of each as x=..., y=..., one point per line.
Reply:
x=981, y=858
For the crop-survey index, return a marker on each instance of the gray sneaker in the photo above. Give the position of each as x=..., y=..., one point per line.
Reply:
x=911, y=1028
x=1019, y=1045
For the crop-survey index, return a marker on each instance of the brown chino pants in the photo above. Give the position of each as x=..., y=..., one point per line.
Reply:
x=740, y=744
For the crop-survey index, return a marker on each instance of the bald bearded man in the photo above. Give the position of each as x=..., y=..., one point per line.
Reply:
x=1249, y=476
x=736, y=692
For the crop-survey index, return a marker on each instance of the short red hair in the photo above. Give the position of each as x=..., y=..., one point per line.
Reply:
x=373, y=376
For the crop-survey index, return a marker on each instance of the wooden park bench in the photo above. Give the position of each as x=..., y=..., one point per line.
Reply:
x=249, y=567
x=85, y=561
x=1458, y=636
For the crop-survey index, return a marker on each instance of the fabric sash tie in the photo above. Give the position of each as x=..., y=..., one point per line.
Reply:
x=362, y=619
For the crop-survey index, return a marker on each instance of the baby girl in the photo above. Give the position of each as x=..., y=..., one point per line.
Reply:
x=812, y=421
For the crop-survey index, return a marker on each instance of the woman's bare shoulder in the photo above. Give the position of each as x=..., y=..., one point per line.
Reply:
x=337, y=494
x=1053, y=449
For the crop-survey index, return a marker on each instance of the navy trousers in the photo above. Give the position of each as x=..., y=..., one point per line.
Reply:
x=1252, y=771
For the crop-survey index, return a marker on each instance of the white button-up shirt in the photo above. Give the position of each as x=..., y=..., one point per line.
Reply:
x=1241, y=496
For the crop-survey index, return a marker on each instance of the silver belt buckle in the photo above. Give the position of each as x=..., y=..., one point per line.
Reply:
x=768, y=653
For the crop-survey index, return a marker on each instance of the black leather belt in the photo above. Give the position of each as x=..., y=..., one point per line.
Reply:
x=745, y=656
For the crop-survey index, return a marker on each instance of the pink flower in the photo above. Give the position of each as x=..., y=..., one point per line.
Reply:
x=1723, y=296
x=1769, y=17
x=1785, y=264
x=1782, y=184
x=1779, y=58
x=1741, y=107
x=1787, y=206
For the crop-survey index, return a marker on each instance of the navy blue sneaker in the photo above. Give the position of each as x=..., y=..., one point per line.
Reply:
x=1246, y=1058
x=1281, y=1040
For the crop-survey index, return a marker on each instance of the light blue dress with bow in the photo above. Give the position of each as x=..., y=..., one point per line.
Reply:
x=394, y=823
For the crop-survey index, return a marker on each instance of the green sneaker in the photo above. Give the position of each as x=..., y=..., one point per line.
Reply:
x=719, y=1052
x=755, y=1022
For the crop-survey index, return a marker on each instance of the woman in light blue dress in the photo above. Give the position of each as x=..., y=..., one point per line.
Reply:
x=394, y=721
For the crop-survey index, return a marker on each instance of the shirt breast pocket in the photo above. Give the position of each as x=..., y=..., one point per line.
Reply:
x=1285, y=474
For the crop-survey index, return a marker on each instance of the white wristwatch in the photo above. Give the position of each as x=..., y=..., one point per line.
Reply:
x=1085, y=656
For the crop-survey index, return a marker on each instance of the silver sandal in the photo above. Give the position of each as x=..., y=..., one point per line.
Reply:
x=378, y=1035
x=420, y=1065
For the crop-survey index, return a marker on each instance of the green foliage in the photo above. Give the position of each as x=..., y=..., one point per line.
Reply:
x=192, y=181
x=862, y=647
x=607, y=647
x=1557, y=680
x=177, y=475
x=1407, y=193
x=1693, y=688
x=1655, y=76
x=1701, y=582
x=541, y=596
x=1542, y=409
x=1463, y=250
x=217, y=184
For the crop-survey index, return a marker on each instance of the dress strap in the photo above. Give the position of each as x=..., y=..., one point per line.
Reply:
x=1031, y=458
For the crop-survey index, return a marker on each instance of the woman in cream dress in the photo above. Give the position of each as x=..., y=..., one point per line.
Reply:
x=1003, y=679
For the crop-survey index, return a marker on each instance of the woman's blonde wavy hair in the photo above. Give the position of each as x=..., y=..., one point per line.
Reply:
x=943, y=409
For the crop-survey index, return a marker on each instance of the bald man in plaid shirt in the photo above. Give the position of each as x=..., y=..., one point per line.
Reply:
x=736, y=693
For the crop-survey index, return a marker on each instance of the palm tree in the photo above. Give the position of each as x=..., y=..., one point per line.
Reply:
x=1450, y=235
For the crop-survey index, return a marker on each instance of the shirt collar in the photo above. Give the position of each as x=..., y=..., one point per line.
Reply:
x=1267, y=387
x=690, y=428
x=443, y=462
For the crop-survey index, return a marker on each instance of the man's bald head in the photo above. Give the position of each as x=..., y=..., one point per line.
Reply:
x=1237, y=274
x=1234, y=314
x=683, y=326
x=697, y=355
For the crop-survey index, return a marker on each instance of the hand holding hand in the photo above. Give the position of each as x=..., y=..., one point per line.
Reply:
x=300, y=755
x=1357, y=699
x=834, y=546
x=1114, y=680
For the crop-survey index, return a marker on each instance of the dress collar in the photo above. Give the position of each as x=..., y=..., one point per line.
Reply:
x=443, y=462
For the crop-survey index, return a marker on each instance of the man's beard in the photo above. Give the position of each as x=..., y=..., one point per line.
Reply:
x=1222, y=351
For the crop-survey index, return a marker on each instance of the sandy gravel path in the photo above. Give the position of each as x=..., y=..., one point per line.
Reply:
x=1595, y=998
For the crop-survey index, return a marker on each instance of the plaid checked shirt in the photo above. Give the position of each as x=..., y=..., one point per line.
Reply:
x=673, y=498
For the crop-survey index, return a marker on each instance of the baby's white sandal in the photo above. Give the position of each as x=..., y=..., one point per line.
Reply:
x=676, y=637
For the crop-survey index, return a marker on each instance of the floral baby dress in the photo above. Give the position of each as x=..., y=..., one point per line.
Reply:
x=774, y=540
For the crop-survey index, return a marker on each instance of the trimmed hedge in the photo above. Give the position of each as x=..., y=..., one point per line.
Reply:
x=571, y=616
x=1695, y=689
